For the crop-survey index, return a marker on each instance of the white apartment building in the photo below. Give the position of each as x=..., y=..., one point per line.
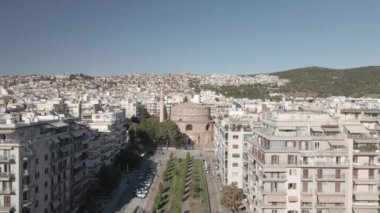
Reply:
x=112, y=135
x=231, y=146
x=45, y=164
x=309, y=162
x=132, y=108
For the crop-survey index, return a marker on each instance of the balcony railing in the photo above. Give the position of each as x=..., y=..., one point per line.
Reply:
x=330, y=177
x=7, y=159
x=272, y=178
x=273, y=191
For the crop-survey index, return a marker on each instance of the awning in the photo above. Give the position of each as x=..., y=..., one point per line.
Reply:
x=331, y=129
x=366, y=197
x=307, y=199
x=292, y=198
x=357, y=129
x=365, y=211
x=316, y=129
x=338, y=143
x=331, y=199
x=7, y=131
x=288, y=128
x=275, y=198
x=372, y=141
x=58, y=124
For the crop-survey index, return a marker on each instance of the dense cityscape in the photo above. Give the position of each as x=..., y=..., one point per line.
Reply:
x=60, y=133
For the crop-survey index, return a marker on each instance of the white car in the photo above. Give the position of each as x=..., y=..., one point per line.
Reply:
x=141, y=195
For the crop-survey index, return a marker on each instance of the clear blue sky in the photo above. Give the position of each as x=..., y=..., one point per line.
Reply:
x=105, y=37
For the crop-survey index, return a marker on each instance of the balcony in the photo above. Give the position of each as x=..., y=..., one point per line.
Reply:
x=368, y=165
x=369, y=179
x=325, y=153
x=331, y=177
x=27, y=203
x=273, y=191
x=307, y=192
x=307, y=177
x=7, y=159
x=276, y=178
x=6, y=209
x=7, y=192
x=370, y=150
x=27, y=187
x=323, y=192
x=5, y=176
x=333, y=164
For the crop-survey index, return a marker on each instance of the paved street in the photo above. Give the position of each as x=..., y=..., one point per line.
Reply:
x=123, y=199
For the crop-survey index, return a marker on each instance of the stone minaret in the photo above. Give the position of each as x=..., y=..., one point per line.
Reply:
x=162, y=107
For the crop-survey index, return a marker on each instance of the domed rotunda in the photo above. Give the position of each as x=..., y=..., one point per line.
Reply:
x=195, y=122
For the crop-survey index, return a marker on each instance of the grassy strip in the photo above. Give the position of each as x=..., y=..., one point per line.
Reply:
x=162, y=195
x=179, y=188
x=199, y=191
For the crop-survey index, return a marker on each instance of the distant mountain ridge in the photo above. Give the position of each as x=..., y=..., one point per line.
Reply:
x=322, y=82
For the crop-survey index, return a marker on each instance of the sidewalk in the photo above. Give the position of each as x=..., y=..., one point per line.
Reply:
x=214, y=193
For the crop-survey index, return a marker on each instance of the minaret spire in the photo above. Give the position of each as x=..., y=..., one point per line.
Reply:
x=162, y=106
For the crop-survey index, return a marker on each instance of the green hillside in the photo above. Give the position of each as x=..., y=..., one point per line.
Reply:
x=314, y=82
x=322, y=82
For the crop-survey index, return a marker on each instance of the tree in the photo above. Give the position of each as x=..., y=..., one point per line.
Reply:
x=147, y=130
x=231, y=198
x=169, y=130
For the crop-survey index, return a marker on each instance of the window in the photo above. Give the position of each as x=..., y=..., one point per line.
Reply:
x=235, y=136
x=316, y=144
x=46, y=184
x=305, y=186
x=292, y=159
x=305, y=173
x=36, y=189
x=36, y=161
x=235, y=164
x=290, y=144
x=46, y=197
x=371, y=173
x=292, y=172
x=207, y=127
x=235, y=146
x=337, y=187
x=189, y=127
x=319, y=187
x=46, y=157
x=36, y=204
x=319, y=173
x=36, y=175
x=292, y=211
x=292, y=186
x=236, y=155
x=355, y=159
x=274, y=210
x=46, y=171
x=275, y=159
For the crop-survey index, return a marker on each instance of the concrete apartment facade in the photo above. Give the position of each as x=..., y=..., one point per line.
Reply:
x=47, y=165
x=309, y=162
